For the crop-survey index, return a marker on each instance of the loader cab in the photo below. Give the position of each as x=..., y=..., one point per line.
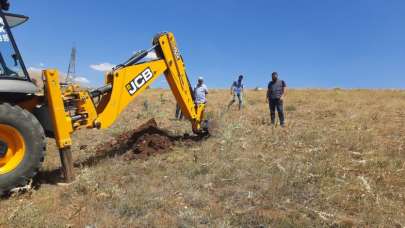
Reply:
x=14, y=78
x=11, y=63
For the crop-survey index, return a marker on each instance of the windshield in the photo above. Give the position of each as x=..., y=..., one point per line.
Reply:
x=10, y=64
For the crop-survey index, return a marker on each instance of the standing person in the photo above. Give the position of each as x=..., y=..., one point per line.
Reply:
x=275, y=94
x=200, y=92
x=237, y=91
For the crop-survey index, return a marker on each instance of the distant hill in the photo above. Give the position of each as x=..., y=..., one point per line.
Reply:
x=36, y=77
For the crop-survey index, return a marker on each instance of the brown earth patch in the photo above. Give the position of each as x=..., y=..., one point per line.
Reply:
x=144, y=141
x=147, y=140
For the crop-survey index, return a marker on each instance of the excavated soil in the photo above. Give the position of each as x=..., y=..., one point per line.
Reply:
x=144, y=141
x=147, y=140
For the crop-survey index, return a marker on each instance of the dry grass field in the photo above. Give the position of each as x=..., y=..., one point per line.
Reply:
x=340, y=162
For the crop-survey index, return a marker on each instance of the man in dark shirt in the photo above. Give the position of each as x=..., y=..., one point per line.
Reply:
x=275, y=93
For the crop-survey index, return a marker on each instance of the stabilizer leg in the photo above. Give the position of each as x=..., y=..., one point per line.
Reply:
x=67, y=164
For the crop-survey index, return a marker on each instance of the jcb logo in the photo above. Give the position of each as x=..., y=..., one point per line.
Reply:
x=139, y=81
x=175, y=50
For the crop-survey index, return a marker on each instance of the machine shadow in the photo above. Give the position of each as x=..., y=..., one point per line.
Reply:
x=107, y=150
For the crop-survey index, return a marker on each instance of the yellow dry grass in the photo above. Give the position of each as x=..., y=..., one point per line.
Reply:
x=339, y=162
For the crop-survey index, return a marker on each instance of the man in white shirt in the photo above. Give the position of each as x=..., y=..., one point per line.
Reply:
x=200, y=92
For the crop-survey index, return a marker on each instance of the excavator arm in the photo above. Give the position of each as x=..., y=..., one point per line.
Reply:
x=73, y=108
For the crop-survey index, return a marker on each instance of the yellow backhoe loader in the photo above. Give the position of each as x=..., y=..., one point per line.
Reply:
x=27, y=118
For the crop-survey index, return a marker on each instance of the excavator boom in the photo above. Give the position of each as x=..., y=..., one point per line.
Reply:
x=123, y=85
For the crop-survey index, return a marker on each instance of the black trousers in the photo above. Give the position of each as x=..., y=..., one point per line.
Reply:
x=179, y=113
x=273, y=105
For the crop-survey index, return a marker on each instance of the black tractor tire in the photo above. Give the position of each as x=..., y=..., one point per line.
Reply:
x=33, y=137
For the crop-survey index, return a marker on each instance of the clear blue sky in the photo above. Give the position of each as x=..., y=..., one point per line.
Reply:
x=311, y=43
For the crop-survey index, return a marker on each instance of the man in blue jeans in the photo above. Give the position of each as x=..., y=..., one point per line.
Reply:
x=237, y=92
x=275, y=93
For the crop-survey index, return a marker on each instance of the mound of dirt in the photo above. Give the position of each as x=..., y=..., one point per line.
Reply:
x=144, y=141
x=147, y=140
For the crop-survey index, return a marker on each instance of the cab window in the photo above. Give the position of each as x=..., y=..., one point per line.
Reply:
x=10, y=65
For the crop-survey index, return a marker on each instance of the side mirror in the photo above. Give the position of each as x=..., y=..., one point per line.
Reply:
x=4, y=5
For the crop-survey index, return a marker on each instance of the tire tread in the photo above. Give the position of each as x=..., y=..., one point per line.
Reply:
x=30, y=121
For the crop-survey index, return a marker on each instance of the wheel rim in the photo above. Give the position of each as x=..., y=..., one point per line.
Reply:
x=13, y=145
